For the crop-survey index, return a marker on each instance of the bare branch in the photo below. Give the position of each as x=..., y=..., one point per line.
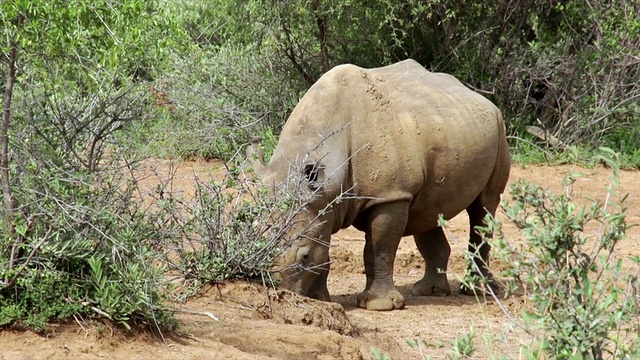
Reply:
x=8, y=283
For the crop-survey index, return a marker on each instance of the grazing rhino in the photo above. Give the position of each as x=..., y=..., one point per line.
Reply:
x=408, y=145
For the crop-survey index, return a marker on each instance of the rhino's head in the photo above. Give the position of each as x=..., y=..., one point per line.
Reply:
x=304, y=265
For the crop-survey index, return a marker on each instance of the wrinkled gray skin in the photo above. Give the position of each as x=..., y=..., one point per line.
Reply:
x=410, y=144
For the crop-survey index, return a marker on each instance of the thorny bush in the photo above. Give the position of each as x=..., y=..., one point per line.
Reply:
x=231, y=228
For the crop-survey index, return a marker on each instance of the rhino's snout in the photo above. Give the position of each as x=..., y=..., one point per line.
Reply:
x=295, y=269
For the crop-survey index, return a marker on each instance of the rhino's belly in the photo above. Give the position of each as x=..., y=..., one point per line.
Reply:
x=423, y=221
x=445, y=196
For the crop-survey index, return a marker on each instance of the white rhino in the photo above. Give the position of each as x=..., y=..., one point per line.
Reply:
x=409, y=145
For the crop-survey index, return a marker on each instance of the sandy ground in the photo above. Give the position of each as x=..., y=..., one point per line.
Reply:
x=249, y=324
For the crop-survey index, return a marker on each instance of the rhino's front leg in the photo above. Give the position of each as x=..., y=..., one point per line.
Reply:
x=319, y=289
x=385, y=227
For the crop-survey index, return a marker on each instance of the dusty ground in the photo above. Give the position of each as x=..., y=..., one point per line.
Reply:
x=249, y=324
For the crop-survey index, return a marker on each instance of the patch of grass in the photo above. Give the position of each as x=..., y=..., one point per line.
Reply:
x=379, y=355
x=630, y=159
x=526, y=151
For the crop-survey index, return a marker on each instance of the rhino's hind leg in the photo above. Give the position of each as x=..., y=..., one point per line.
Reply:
x=385, y=226
x=435, y=250
x=478, y=246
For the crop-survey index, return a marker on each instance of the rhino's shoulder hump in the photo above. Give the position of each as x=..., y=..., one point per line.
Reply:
x=342, y=71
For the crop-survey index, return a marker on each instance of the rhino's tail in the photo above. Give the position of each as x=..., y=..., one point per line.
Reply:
x=502, y=167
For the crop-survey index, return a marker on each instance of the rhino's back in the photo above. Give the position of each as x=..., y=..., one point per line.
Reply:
x=407, y=104
x=417, y=135
x=405, y=83
x=396, y=133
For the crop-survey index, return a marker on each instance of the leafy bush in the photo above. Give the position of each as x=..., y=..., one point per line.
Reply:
x=78, y=243
x=233, y=70
x=220, y=98
x=80, y=248
x=581, y=300
x=522, y=56
x=77, y=239
x=74, y=242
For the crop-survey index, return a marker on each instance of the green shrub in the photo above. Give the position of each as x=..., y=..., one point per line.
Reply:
x=582, y=301
x=221, y=97
x=41, y=296
x=76, y=243
x=81, y=248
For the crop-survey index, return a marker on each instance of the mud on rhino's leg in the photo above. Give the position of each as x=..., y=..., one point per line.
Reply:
x=477, y=245
x=385, y=226
x=435, y=250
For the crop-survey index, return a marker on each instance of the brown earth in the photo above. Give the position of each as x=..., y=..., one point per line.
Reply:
x=240, y=321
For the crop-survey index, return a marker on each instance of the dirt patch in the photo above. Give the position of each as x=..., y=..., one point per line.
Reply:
x=280, y=324
x=285, y=307
x=253, y=323
x=346, y=261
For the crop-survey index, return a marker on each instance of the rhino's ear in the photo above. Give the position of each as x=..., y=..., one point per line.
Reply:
x=314, y=173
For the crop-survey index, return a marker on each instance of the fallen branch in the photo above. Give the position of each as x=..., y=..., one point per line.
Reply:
x=545, y=136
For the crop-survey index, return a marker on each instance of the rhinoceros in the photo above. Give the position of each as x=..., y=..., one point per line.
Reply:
x=408, y=145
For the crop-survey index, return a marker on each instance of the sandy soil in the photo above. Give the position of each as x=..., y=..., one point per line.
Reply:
x=249, y=324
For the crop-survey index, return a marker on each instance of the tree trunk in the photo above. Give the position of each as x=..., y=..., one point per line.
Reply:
x=321, y=20
x=291, y=54
x=4, y=139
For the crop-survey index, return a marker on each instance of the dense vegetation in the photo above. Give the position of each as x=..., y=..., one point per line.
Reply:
x=570, y=69
x=91, y=87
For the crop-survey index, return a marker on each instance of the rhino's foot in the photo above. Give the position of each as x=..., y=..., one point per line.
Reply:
x=432, y=287
x=391, y=300
x=486, y=287
x=320, y=293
